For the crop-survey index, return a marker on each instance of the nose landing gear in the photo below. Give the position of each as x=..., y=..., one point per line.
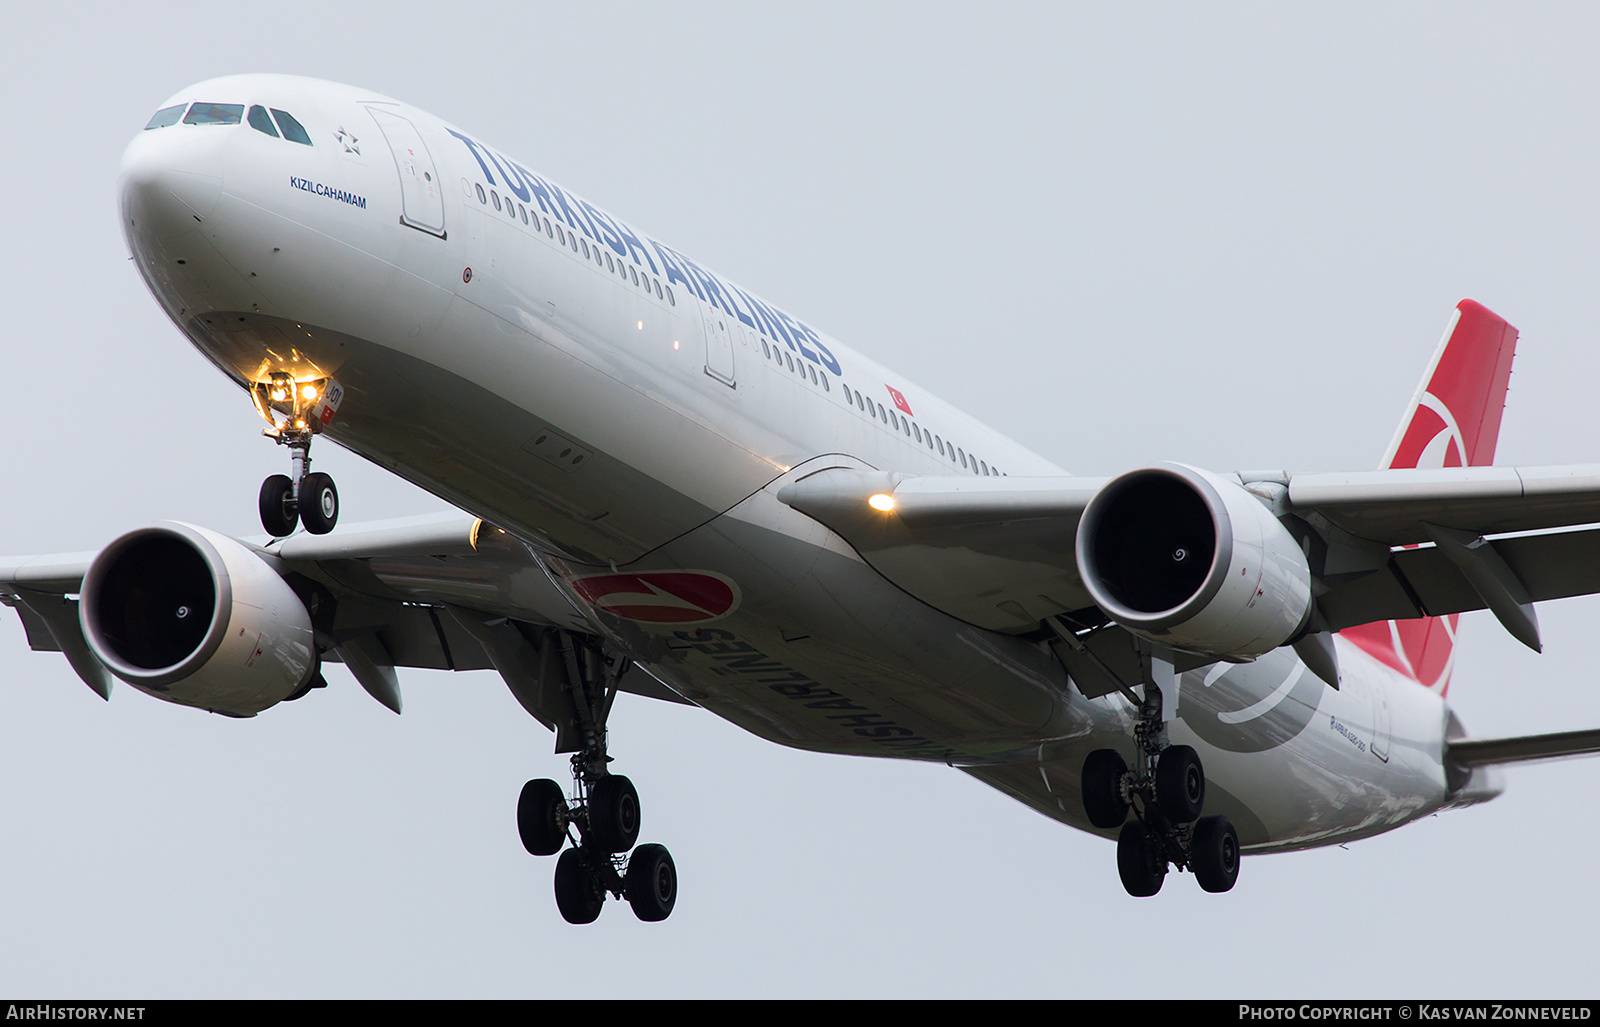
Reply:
x=295, y=412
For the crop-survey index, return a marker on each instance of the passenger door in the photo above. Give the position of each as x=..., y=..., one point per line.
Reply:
x=719, y=344
x=421, y=197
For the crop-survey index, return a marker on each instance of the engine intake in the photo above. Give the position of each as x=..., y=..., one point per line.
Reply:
x=196, y=618
x=1191, y=560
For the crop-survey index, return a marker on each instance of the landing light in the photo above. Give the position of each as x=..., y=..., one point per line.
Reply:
x=308, y=391
x=882, y=501
x=278, y=395
x=641, y=326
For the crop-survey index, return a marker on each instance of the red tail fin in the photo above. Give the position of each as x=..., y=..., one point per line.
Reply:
x=1453, y=421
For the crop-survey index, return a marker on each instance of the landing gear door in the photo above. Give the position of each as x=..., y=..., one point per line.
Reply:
x=719, y=344
x=421, y=198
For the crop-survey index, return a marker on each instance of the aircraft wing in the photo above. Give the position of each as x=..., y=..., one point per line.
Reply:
x=438, y=591
x=1383, y=545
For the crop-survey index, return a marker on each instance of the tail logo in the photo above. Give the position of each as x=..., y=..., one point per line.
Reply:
x=1429, y=664
x=1433, y=439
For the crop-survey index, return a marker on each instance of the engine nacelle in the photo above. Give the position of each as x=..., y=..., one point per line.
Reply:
x=196, y=618
x=1191, y=560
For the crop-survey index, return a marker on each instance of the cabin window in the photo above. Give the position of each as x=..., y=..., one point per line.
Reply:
x=572, y=241
x=861, y=404
x=917, y=432
x=883, y=415
x=166, y=116
x=585, y=244
x=482, y=198
x=261, y=121
x=547, y=230
x=963, y=455
x=940, y=441
x=905, y=426
x=292, y=129
x=790, y=360
x=215, y=114
x=524, y=212
x=635, y=275
x=669, y=294
x=766, y=349
x=825, y=386
x=494, y=198
x=813, y=373
x=609, y=265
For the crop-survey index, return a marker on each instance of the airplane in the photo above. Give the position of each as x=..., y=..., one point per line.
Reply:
x=672, y=487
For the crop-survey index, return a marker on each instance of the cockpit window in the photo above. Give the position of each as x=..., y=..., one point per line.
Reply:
x=166, y=116
x=260, y=122
x=215, y=114
x=292, y=129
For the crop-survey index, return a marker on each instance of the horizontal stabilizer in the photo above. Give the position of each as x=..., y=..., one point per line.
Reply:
x=1479, y=752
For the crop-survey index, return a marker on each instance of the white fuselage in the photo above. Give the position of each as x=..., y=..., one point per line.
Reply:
x=520, y=353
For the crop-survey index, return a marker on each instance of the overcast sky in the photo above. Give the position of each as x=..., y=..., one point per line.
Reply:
x=1223, y=234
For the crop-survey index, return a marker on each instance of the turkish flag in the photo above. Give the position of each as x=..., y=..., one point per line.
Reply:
x=899, y=400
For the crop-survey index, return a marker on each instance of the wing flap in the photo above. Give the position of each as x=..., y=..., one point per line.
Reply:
x=1423, y=582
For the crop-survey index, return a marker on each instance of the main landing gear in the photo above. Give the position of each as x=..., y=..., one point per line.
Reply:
x=602, y=818
x=1166, y=794
x=295, y=412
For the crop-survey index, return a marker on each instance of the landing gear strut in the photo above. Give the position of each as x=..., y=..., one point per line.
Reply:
x=1166, y=793
x=602, y=818
x=295, y=412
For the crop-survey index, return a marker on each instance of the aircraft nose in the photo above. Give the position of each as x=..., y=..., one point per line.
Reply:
x=171, y=178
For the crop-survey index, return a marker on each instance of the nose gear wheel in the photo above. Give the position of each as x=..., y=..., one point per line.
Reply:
x=295, y=411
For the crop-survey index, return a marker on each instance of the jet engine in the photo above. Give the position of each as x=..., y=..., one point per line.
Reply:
x=1193, y=561
x=196, y=618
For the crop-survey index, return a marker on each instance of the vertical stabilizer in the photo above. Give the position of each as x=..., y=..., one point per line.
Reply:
x=1453, y=421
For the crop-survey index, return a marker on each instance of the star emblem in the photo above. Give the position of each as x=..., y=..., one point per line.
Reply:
x=348, y=139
